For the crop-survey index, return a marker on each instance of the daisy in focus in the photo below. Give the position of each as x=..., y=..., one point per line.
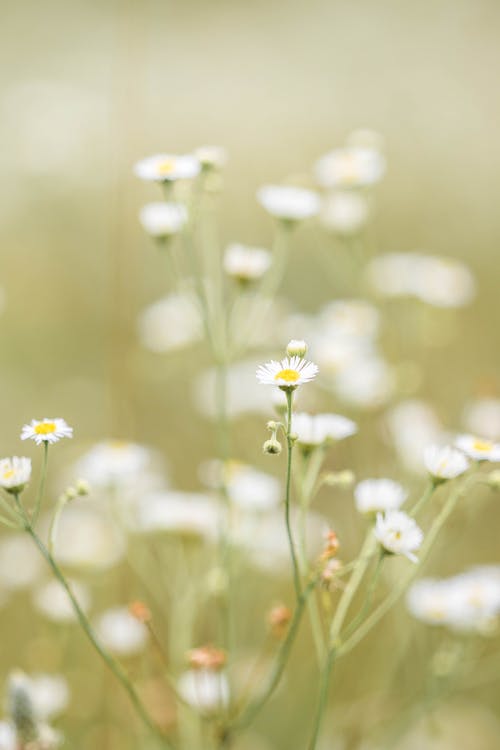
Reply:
x=46, y=430
x=15, y=473
x=478, y=449
x=167, y=168
x=287, y=374
x=398, y=534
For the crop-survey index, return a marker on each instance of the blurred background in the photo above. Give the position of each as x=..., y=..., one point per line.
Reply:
x=87, y=89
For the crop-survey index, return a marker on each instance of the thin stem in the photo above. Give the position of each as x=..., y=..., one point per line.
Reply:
x=289, y=442
x=368, y=598
x=253, y=709
x=323, y=698
x=41, y=486
x=423, y=500
x=388, y=603
x=113, y=665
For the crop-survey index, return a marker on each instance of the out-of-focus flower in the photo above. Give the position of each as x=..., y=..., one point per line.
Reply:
x=121, y=632
x=20, y=564
x=53, y=602
x=468, y=602
x=252, y=490
x=211, y=157
x=441, y=282
x=163, y=219
x=246, y=264
x=170, y=323
x=15, y=473
x=49, y=694
x=167, y=167
x=478, y=449
x=287, y=374
x=375, y=495
x=482, y=417
x=367, y=383
x=46, y=430
x=344, y=212
x=350, y=167
x=183, y=513
x=8, y=737
x=114, y=463
x=289, y=203
x=444, y=463
x=205, y=690
x=318, y=429
x=398, y=534
x=87, y=539
x=413, y=425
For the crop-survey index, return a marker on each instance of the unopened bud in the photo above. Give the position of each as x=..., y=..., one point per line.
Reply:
x=296, y=348
x=140, y=611
x=273, y=447
x=82, y=487
x=493, y=479
x=272, y=425
x=331, y=547
x=279, y=618
x=343, y=479
x=71, y=493
x=207, y=657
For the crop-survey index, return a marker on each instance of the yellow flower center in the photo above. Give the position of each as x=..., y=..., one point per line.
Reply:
x=166, y=167
x=482, y=445
x=45, y=428
x=8, y=474
x=290, y=376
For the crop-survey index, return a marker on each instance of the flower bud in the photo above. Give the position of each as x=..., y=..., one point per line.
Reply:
x=82, y=487
x=493, y=479
x=296, y=348
x=140, y=611
x=272, y=426
x=279, y=619
x=207, y=657
x=272, y=447
x=343, y=479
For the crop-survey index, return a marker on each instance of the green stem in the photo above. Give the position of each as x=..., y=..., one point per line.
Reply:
x=289, y=442
x=323, y=698
x=253, y=709
x=113, y=665
x=423, y=500
x=388, y=603
x=41, y=486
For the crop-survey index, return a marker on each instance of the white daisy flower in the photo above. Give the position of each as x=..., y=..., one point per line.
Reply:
x=204, y=689
x=398, y=533
x=429, y=601
x=167, y=167
x=163, y=219
x=252, y=490
x=313, y=430
x=245, y=263
x=289, y=373
x=211, y=157
x=15, y=473
x=444, y=463
x=46, y=430
x=375, y=495
x=49, y=694
x=350, y=167
x=121, y=632
x=289, y=203
x=114, y=462
x=170, y=323
x=478, y=449
x=344, y=212
x=187, y=514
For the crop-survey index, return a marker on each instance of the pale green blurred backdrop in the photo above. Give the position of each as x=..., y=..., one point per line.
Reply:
x=87, y=88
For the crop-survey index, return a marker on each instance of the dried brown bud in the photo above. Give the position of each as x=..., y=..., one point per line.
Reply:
x=140, y=611
x=279, y=618
x=331, y=546
x=207, y=657
x=329, y=573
